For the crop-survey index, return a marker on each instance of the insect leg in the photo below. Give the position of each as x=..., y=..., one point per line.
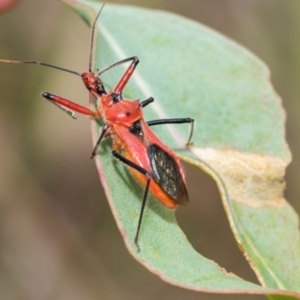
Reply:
x=146, y=102
x=104, y=131
x=175, y=121
x=68, y=106
x=123, y=61
x=148, y=175
x=127, y=74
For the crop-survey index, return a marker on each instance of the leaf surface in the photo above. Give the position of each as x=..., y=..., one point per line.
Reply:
x=192, y=71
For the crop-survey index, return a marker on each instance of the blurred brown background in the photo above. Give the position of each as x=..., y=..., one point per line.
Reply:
x=58, y=239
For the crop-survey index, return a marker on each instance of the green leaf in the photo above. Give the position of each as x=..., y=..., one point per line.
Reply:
x=193, y=71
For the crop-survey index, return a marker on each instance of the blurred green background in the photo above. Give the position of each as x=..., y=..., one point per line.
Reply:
x=58, y=238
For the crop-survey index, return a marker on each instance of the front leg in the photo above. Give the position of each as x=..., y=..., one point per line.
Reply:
x=69, y=107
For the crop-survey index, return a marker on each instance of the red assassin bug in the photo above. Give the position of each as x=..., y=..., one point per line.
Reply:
x=149, y=160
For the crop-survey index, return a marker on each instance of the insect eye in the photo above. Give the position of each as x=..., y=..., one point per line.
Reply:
x=89, y=87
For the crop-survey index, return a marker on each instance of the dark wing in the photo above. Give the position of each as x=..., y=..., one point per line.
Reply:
x=166, y=173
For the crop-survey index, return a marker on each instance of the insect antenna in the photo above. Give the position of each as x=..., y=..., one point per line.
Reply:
x=39, y=63
x=93, y=39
